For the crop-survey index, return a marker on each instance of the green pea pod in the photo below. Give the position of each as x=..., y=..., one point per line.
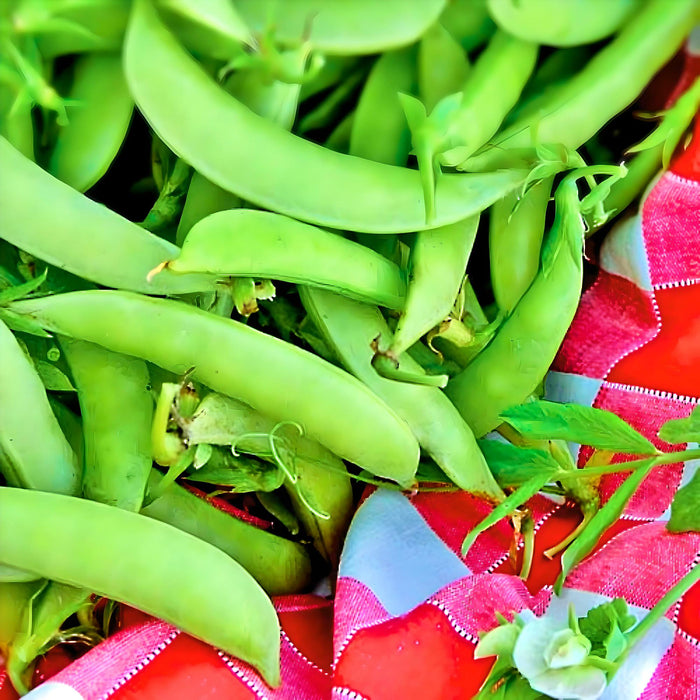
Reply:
x=203, y=198
x=262, y=164
x=365, y=432
x=442, y=66
x=511, y=367
x=463, y=122
x=9, y=574
x=81, y=236
x=72, y=428
x=516, y=227
x=117, y=408
x=211, y=27
x=47, y=462
x=611, y=80
x=350, y=327
x=438, y=264
x=379, y=130
x=341, y=27
x=76, y=27
x=280, y=566
x=16, y=123
x=469, y=22
x=601, y=521
x=317, y=481
x=212, y=597
x=251, y=243
x=559, y=23
x=86, y=146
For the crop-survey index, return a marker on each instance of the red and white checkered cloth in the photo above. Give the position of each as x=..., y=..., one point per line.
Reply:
x=408, y=608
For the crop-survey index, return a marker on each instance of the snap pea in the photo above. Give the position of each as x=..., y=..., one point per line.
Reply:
x=262, y=163
x=316, y=480
x=74, y=27
x=250, y=243
x=86, y=146
x=559, y=23
x=442, y=66
x=516, y=227
x=81, y=236
x=211, y=597
x=16, y=123
x=46, y=463
x=438, y=264
x=510, y=368
x=117, y=408
x=177, y=336
x=280, y=566
x=213, y=27
x=379, y=130
x=349, y=327
x=469, y=22
x=340, y=27
x=9, y=574
x=609, y=82
x=463, y=122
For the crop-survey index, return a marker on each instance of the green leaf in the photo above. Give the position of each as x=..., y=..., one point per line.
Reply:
x=52, y=377
x=22, y=290
x=512, y=466
x=680, y=430
x=546, y=420
x=509, y=506
x=241, y=474
x=605, y=625
x=685, y=509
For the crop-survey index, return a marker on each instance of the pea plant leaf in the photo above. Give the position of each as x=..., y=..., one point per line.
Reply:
x=685, y=509
x=512, y=466
x=605, y=626
x=680, y=430
x=603, y=430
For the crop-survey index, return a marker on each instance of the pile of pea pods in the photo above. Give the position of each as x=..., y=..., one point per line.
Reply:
x=234, y=245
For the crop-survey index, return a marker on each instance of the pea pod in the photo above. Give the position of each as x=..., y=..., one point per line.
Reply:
x=379, y=131
x=250, y=243
x=516, y=227
x=76, y=234
x=461, y=123
x=212, y=597
x=262, y=163
x=510, y=368
x=46, y=463
x=438, y=264
x=350, y=327
x=117, y=409
x=562, y=23
x=610, y=81
x=86, y=146
x=341, y=27
x=281, y=567
x=177, y=337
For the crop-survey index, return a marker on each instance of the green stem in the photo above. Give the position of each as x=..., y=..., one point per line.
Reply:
x=659, y=610
x=660, y=460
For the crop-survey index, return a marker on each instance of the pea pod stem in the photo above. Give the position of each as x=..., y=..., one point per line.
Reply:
x=181, y=102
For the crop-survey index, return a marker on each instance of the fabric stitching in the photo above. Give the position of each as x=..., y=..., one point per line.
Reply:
x=347, y=693
x=250, y=684
x=302, y=656
x=452, y=620
x=134, y=670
